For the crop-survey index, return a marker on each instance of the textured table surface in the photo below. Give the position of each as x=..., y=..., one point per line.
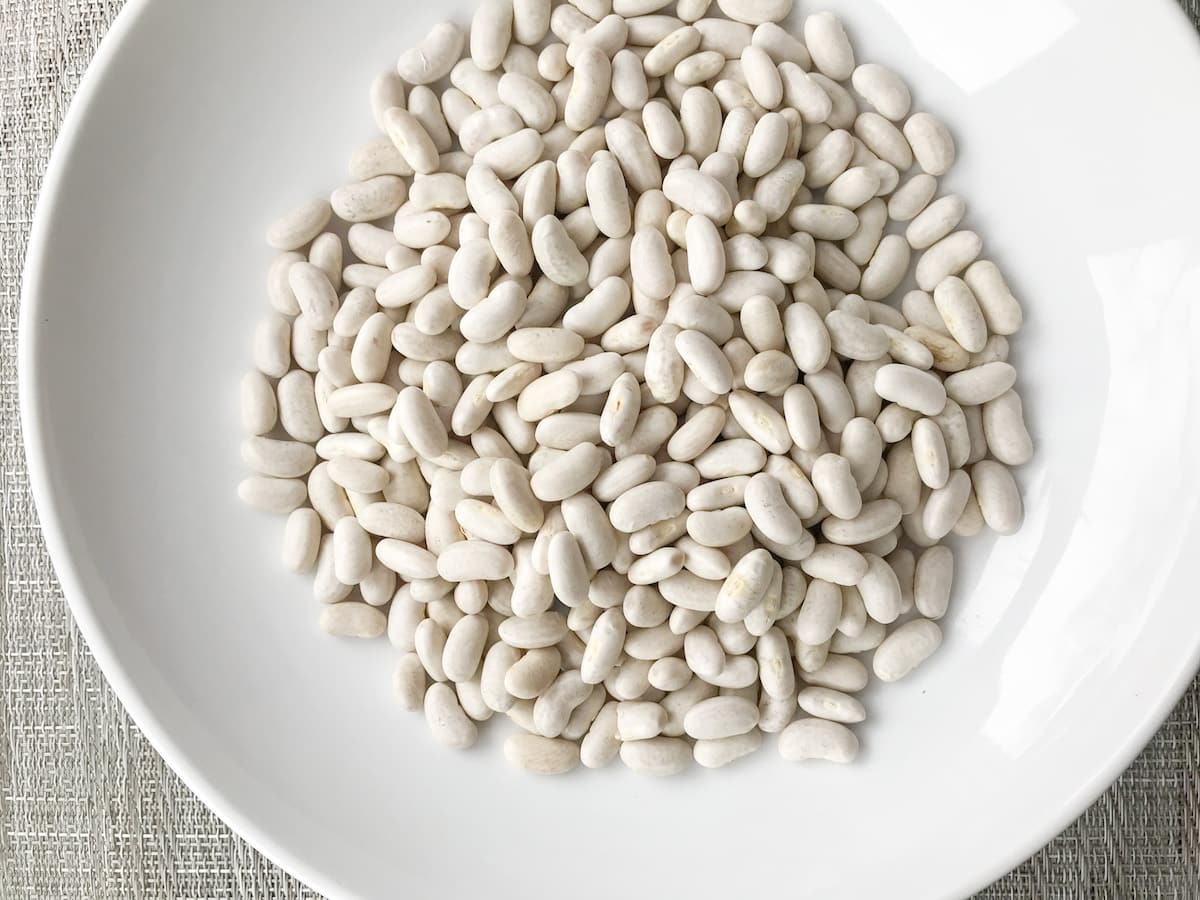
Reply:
x=89, y=810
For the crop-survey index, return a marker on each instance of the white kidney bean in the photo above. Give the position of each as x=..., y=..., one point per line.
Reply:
x=980, y=384
x=830, y=48
x=497, y=662
x=296, y=399
x=855, y=338
x=886, y=269
x=530, y=21
x=774, y=714
x=589, y=88
x=820, y=612
x=509, y=156
x=912, y=388
x=760, y=421
x=930, y=453
x=720, y=717
x=780, y=45
x=326, y=254
x=299, y=226
x=601, y=744
x=906, y=648
x=841, y=673
x=491, y=30
x=629, y=681
x=314, y=294
x=998, y=496
x=737, y=456
x=669, y=674
x=640, y=720
x=433, y=58
x=770, y=511
x=949, y=256
x=357, y=620
x=541, y=755
x=473, y=560
x=837, y=564
x=656, y=756
x=945, y=506
x=568, y=474
x=932, y=581
x=746, y=586
x=1000, y=308
x=464, y=646
x=886, y=142
x=802, y=92
x=1004, y=428
x=823, y=221
x=699, y=194
x=585, y=714
x=935, y=222
x=408, y=682
x=834, y=706
x=835, y=485
x=719, y=494
x=931, y=142
x=807, y=337
x=553, y=707
x=412, y=140
x=368, y=200
x=448, y=723
x=532, y=673
x=771, y=372
x=908, y=200
x=713, y=754
x=326, y=587
x=821, y=739
x=280, y=459
x=556, y=253
x=853, y=188
x=301, y=540
x=883, y=89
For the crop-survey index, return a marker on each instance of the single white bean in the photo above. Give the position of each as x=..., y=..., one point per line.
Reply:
x=998, y=496
x=1005, y=431
x=949, y=256
x=448, y=723
x=980, y=384
x=818, y=739
x=883, y=89
x=656, y=756
x=831, y=705
x=830, y=48
x=931, y=142
x=911, y=388
x=906, y=648
x=1000, y=308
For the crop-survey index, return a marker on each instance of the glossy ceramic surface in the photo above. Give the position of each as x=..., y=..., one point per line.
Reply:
x=1066, y=645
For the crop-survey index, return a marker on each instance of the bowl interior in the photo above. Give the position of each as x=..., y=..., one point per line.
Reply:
x=1066, y=643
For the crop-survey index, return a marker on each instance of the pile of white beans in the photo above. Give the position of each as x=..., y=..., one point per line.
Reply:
x=616, y=417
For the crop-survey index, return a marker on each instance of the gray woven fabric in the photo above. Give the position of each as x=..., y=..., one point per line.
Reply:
x=89, y=810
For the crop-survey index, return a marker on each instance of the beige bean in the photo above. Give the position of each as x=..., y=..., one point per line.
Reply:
x=818, y=739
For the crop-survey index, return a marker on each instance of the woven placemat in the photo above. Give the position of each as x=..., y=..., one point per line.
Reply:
x=89, y=810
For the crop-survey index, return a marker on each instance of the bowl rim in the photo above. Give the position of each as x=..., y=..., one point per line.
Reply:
x=103, y=648
x=90, y=624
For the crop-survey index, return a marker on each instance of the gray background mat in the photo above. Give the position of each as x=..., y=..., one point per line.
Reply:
x=89, y=810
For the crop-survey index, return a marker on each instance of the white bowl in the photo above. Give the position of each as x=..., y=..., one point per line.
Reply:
x=1066, y=645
